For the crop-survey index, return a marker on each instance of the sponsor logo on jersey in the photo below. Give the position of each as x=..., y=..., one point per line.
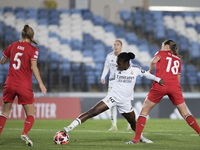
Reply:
x=20, y=47
x=124, y=79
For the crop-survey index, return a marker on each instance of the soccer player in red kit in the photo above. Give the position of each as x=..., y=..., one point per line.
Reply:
x=168, y=67
x=23, y=62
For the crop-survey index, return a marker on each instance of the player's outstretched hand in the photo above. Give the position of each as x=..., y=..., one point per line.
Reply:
x=43, y=89
x=162, y=82
x=103, y=81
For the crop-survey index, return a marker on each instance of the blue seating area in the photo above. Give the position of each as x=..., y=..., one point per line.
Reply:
x=182, y=27
x=74, y=43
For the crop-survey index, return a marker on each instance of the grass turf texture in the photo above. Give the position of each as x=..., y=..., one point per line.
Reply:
x=94, y=135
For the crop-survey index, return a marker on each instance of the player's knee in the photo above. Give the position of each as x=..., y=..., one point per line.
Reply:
x=5, y=112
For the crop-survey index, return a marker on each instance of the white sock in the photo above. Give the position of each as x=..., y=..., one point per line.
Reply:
x=141, y=136
x=114, y=116
x=75, y=123
x=113, y=112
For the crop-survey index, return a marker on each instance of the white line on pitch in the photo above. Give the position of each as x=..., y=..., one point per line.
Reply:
x=96, y=131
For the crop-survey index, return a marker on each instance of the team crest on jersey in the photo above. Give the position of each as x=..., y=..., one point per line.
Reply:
x=36, y=52
x=131, y=72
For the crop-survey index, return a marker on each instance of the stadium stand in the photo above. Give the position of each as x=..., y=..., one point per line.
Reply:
x=73, y=43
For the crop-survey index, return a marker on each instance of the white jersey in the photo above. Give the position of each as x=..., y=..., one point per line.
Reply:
x=110, y=64
x=123, y=88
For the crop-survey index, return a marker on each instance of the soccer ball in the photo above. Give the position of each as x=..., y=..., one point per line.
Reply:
x=61, y=138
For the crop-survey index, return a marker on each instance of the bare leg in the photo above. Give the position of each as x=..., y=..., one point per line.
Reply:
x=6, y=108
x=29, y=109
x=97, y=109
x=182, y=110
x=130, y=117
x=147, y=106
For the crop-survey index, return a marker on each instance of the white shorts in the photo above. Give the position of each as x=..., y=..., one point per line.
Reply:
x=124, y=107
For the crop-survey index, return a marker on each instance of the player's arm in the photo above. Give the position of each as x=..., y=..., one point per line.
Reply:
x=4, y=60
x=112, y=75
x=105, y=71
x=179, y=78
x=153, y=63
x=36, y=73
x=153, y=77
x=150, y=76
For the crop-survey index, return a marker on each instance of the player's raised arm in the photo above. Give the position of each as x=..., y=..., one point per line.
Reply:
x=153, y=63
x=153, y=77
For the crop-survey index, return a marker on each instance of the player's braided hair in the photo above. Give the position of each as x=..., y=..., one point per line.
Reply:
x=28, y=33
x=173, y=47
x=125, y=57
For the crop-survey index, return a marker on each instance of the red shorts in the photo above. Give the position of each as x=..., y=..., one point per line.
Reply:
x=172, y=90
x=25, y=96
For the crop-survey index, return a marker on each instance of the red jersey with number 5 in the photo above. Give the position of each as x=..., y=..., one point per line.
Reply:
x=168, y=67
x=20, y=54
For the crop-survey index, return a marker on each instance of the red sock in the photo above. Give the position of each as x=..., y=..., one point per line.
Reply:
x=192, y=122
x=141, y=121
x=28, y=124
x=3, y=119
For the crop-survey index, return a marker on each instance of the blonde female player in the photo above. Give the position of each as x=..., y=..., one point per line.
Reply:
x=121, y=94
x=23, y=62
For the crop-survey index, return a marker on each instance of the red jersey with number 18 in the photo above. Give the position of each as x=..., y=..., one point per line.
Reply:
x=20, y=54
x=168, y=67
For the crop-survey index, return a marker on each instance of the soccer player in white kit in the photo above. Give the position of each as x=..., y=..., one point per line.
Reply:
x=121, y=94
x=110, y=65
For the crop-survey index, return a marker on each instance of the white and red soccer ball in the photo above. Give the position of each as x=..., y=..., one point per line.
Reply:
x=61, y=138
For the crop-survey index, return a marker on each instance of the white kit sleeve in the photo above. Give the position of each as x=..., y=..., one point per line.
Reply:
x=148, y=75
x=151, y=76
x=105, y=69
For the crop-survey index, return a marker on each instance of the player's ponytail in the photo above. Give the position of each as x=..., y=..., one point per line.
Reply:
x=131, y=55
x=28, y=33
x=173, y=47
x=125, y=57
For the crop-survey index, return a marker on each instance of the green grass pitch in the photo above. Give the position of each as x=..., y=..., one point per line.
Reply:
x=94, y=135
